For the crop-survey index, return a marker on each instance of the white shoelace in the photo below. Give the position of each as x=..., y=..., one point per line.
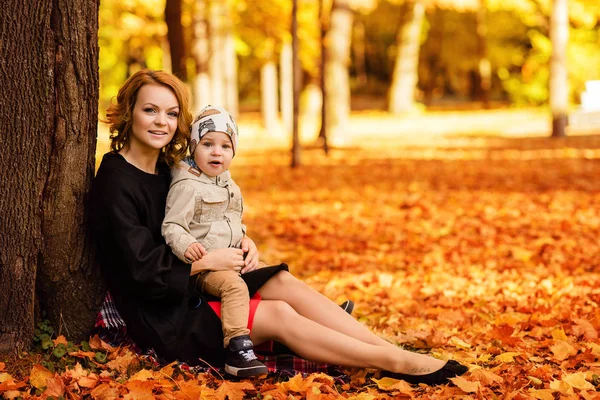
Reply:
x=248, y=355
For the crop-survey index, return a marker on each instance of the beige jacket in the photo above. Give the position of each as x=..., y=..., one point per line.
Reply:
x=202, y=209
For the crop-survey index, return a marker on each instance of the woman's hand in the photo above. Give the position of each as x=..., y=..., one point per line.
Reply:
x=251, y=261
x=220, y=260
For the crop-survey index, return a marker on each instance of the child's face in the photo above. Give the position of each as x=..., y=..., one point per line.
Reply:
x=214, y=153
x=155, y=117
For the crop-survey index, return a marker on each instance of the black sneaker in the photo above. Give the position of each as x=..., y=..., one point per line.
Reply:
x=348, y=306
x=240, y=359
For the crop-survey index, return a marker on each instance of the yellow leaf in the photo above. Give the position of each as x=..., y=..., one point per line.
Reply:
x=577, y=380
x=393, y=384
x=4, y=377
x=507, y=357
x=559, y=334
x=595, y=349
x=534, y=380
x=142, y=375
x=465, y=385
x=541, y=394
x=561, y=386
x=563, y=350
x=39, y=376
x=454, y=341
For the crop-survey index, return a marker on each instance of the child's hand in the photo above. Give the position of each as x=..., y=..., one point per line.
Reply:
x=195, y=251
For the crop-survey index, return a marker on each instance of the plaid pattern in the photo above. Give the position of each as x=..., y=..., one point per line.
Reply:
x=279, y=360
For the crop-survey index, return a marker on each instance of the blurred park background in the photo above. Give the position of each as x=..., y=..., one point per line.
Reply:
x=391, y=71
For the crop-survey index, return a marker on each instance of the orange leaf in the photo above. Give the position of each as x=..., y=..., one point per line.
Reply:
x=563, y=350
x=393, y=384
x=98, y=344
x=60, y=340
x=465, y=385
x=105, y=392
x=541, y=394
x=233, y=390
x=584, y=328
x=55, y=387
x=139, y=390
x=2, y=366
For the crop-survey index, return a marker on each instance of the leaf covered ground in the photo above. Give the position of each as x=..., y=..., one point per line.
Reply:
x=488, y=255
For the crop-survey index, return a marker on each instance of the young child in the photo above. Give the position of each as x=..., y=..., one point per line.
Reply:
x=204, y=213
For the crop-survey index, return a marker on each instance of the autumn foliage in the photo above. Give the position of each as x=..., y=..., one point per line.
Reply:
x=486, y=256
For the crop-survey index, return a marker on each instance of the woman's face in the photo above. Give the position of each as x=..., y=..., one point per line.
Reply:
x=155, y=117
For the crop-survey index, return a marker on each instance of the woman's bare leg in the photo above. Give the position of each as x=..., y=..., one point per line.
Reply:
x=277, y=320
x=316, y=307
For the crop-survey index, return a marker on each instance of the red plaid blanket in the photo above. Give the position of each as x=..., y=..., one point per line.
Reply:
x=279, y=360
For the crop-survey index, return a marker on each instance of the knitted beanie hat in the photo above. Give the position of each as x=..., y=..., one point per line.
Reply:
x=213, y=119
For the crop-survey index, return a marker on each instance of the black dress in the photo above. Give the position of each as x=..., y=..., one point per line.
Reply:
x=151, y=287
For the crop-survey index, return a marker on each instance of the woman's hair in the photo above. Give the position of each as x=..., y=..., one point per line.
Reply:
x=119, y=116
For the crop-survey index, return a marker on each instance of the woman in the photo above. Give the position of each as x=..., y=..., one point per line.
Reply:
x=149, y=127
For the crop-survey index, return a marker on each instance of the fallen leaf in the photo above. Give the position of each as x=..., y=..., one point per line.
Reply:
x=507, y=357
x=584, y=328
x=60, y=340
x=541, y=394
x=465, y=385
x=389, y=384
x=578, y=381
x=563, y=350
x=39, y=376
x=55, y=387
x=233, y=390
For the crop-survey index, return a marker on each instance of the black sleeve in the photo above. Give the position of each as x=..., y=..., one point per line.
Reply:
x=146, y=266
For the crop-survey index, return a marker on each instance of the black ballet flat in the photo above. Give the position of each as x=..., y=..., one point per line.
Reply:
x=449, y=370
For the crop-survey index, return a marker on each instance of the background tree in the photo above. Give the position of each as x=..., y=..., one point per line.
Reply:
x=405, y=76
x=176, y=38
x=559, y=92
x=48, y=104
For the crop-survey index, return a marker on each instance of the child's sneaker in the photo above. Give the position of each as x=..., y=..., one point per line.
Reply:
x=240, y=359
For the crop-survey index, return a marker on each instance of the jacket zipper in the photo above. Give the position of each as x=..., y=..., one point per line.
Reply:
x=227, y=218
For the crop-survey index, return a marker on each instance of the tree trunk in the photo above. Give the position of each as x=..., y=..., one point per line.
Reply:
x=230, y=76
x=176, y=38
x=201, y=53
x=286, y=87
x=323, y=31
x=336, y=67
x=559, y=92
x=485, y=69
x=406, y=67
x=49, y=105
x=217, y=52
x=296, y=87
x=268, y=96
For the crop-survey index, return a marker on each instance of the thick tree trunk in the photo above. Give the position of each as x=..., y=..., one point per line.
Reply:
x=296, y=87
x=323, y=32
x=217, y=39
x=559, y=91
x=48, y=112
x=176, y=38
x=268, y=96
x=406, y=67
x=338, y=41
x=201, y=53
x=484, y=67
x=286, y=87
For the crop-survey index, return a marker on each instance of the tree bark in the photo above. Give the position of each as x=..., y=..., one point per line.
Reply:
x=286, y=87
x=296, y=87
x=201, y=53
x=323, y=32
x=48, y=111
x=484, y=67
x=559, y=92
x=268, y=96
x=406, y=67
x=337, y=81
x=176, y=38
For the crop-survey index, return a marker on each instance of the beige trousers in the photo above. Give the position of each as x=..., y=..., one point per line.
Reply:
x=235, y=301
